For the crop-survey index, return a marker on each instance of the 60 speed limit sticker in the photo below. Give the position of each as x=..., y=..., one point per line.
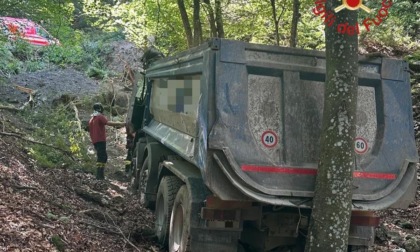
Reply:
x=269, y=139
x=360, y=145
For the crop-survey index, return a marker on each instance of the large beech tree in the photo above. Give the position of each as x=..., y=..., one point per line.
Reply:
x=332, y=203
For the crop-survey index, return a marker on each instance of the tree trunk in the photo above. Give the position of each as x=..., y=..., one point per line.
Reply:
x=219, y=19
x=332, y=203
x=212, y=20
x=276, y=21
x=78, y=14
x=295, y=20
x=185, y=22
x=198, y=37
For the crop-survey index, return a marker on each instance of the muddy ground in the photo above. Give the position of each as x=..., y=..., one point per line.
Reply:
x=66, y=210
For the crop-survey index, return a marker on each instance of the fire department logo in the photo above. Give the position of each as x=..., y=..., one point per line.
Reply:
x=329, y=18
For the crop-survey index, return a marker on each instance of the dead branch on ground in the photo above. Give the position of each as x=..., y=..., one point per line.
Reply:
x=39, y=143
x=76, y=114
x=21, y=187
x=110, y=230
x=29, y=91
x=92, y=196
x=122, y=233
x=10, y=108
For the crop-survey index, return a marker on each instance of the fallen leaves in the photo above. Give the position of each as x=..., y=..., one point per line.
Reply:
x=41, y=211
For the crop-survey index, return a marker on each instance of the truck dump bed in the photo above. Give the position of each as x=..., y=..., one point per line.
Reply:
x=249, y=117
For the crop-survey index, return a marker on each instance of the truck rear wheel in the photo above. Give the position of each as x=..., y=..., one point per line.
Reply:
x=179, y=229
x=136, y=168
x=167, y=191
x=143, y=177
x=134, y=181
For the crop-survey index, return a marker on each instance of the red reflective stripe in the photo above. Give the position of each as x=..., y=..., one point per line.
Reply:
x=272, y=169
x=313, y=171
x=374, y=175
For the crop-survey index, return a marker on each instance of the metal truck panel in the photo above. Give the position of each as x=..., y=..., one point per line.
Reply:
x=175, y=102
x=183, y=130
x=258, y=116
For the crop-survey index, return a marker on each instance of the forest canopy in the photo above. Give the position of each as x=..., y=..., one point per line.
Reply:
x=173, y=26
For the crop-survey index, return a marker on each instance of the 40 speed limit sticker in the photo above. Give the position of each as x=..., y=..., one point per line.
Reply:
x=269, y=139
x=360, y=145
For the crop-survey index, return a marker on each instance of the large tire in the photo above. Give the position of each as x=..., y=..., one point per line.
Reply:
x=179, y=228
x=167, y=191
x=134, y=181
x=143, y=177
x=136, y=168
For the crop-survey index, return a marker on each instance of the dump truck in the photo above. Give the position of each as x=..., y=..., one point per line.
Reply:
x=226, y=140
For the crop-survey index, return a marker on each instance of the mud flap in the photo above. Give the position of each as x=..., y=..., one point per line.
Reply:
x=203, y=238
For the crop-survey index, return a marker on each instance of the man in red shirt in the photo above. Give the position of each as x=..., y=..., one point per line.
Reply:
x=98, y=136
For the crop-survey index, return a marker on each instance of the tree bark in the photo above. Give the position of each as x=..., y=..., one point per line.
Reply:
x=212, y=20
x=185, y=22
x=219, y=18
x=332, y=202
x=295, y=20
x=78, y=14
x=276, y=21
x=198, y=37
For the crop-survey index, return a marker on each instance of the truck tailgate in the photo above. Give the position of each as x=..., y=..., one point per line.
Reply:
x=269, y=104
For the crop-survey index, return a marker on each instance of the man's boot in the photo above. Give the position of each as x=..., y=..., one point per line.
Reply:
x=100, y=171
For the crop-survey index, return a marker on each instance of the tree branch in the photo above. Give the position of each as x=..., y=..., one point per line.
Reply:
x=76, y=112
x=20, y=187
x=37, y=142
x=122, y=233
x=109, y=230
x=9, y=108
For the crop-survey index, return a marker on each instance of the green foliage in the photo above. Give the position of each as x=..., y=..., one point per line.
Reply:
x=89, y=54
x=33, y=66
x=147, y=22
x=8, y=63
x=388, y=34
x=406, y=12
x=140, y=21
x=22, y=50
x=414, y=57
x=159, y=23
x=97, y=73
x=57, y=127
x=58, y=243
x=55, y=16
x=398, y=29
x=64, y=55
